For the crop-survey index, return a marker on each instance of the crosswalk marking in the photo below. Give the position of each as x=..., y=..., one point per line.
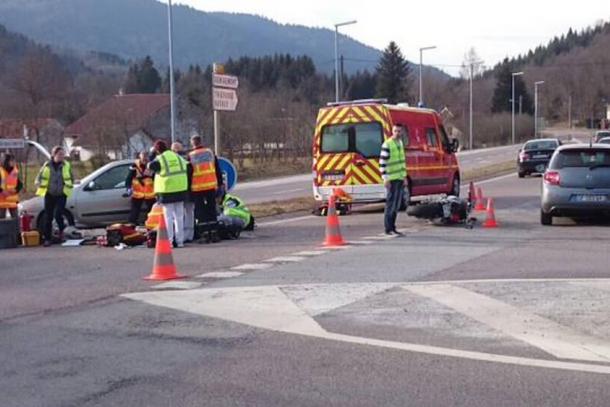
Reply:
x=285, y=259
x=558, y=340
x=220, y=274
x=252, y=266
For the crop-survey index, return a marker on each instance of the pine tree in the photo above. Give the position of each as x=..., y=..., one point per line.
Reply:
x=143, y=77
x=504, y=88
x=393, y=75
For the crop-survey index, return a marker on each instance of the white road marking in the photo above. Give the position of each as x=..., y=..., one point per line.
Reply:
x=282, y=221
x=177, y=285
x=285, y=259
x=361, y=242
x=221, y=274
x=558, y=340
x=311, y=253
x=269, y=308
x=345, y=247
x=252, y=266
x=490, y=180
x=382, y=237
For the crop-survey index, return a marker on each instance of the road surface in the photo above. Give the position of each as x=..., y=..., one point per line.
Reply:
x=514, y=316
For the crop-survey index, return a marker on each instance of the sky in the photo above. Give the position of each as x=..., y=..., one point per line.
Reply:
x=495, y=29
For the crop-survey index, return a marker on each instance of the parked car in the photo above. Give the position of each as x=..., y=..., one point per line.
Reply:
x=534, y=156
x=98, y=200
x=577, y=182
x=604, y=140
x=600, y=134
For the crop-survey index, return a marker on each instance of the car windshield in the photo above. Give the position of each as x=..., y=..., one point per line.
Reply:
x=362, y=138
x=586, y=158
x=601, y=134
x=541, y=145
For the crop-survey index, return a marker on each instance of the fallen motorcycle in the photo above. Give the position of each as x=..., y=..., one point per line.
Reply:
x=449, y=210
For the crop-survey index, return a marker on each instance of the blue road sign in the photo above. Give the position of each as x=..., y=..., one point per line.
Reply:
x=229, y=173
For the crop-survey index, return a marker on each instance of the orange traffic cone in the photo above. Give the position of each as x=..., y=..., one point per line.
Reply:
x=480, y=201
x=333, y=230
x=164, y=267
x=490, y=220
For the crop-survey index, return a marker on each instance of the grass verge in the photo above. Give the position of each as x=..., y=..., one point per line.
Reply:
x=477, y=174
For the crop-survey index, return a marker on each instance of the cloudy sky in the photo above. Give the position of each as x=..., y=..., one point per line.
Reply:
x=495, y=29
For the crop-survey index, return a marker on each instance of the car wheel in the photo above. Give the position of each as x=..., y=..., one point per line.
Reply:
x=68, y=221
x=546, y=218
x=455, y=188
x=521, y=174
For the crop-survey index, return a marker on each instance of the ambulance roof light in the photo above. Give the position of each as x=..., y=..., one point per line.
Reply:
x=357, y=102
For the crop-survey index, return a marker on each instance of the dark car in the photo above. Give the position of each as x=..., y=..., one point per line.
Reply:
x=534, y=156
x=577, y=182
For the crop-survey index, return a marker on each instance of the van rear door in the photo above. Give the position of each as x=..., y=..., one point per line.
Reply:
x=333, y=165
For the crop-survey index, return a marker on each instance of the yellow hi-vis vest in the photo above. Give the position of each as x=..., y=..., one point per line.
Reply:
x=45, y=175
x=173, y=175
x=8, y=183
x=204, y=170
x=396, y=167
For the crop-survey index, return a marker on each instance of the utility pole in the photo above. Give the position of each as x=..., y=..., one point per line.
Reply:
x=341, y=90
x=513, y=105
x=471, y=115
x=421, y=62
x=337, y=55
x=570, y=111
x=520, y=105
x=536, y=84
x=172, y=101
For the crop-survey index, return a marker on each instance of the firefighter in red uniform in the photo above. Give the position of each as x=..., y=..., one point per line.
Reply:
x=139, y=184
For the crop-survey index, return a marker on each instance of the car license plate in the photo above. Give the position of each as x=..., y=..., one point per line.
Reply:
x=332, y=177
x=540, y=167
x=590, y=198
x=539, y=156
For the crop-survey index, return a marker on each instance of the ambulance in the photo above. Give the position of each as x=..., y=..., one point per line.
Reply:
x=347, y=143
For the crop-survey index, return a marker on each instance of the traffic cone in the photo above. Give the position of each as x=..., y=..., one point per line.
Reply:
x=480, y=201
x=490, y=220
x=472, y=194
x=164, y=267
x=333, y=230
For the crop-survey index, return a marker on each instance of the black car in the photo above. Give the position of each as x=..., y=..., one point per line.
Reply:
x=534, y=156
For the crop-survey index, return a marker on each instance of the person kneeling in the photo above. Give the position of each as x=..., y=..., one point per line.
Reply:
x=234, y=217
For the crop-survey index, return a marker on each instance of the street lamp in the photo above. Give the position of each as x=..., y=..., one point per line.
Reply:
x=513, y=104
x=536, y=84
x=171, y=72
x=421, y=57
x=337, y=55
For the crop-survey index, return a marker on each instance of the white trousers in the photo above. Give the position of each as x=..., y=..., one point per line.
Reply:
x=189, y=221
x=174, y=219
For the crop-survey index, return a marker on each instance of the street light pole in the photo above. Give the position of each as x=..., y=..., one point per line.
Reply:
x=421, y=62
x=471, y=134
x=171, y=72
x=536, y=84
x=513, y=105
x=337, y=55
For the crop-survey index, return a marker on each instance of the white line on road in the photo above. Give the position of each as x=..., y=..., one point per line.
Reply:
x=253, y=266
x=177, y=285
x=285, y=259
x=281, y=221
x=558, y=340
x=311, y=253
x=221, y=274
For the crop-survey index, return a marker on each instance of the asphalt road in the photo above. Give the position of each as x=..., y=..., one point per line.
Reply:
x=300, y=185
x=514, y=316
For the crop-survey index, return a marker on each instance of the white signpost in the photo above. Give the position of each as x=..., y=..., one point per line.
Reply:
x=12, y=143
x=224, y=98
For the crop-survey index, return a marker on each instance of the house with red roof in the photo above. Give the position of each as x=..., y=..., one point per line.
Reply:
x=122, y=126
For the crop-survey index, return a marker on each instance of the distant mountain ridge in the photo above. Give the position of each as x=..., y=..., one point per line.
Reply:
x=132, y=29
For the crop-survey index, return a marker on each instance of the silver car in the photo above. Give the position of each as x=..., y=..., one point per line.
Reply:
x=577, y=182
x=98, y=200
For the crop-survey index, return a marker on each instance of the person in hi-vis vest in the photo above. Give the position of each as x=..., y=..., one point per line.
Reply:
x=206, y=181
x=393, y=165
x=55, y=183
x=139, y=185
x=171, y=187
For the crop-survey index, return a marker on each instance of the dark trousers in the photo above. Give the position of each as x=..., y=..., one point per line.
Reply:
x=205, y=206
x=54, y=207
x=14, y=215
x=136, y=208
x=394, y=199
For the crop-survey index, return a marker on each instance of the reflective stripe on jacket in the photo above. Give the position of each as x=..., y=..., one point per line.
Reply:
x=142, y=184
x=392, y=161
x=8, y=183
x=45, y=175
x=173, y=175
x=204, y=170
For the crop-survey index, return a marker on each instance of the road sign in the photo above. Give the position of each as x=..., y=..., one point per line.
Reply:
x=12, y=143
x=225, y=81
x=224, y=99
x=229, y=173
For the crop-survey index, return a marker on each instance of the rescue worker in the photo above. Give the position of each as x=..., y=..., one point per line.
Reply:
x=55, y=183
x=234, y=215
x=189, y=205
x=207, y=180
x=139, y=184
x=393, y=167
x=171, y=186
x=10, y=186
